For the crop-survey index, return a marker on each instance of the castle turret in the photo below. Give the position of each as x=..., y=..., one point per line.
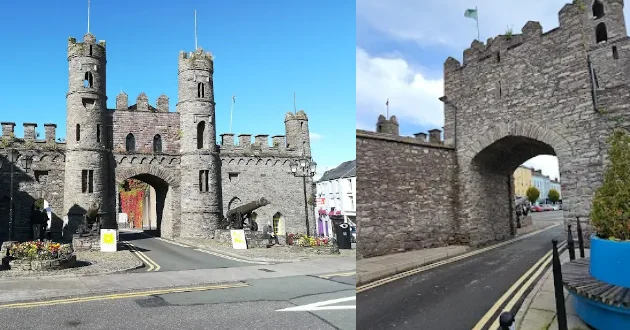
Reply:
x=605, y=20
x=297, y=134
x=86, y=167
x=200, y=163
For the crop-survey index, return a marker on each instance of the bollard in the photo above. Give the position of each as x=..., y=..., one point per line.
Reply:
x=507, y=321
x=580, y=238
x=570, y=244
x=558, y=289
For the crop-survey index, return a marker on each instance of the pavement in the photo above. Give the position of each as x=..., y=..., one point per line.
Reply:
x=538, y=310
x=456, y=293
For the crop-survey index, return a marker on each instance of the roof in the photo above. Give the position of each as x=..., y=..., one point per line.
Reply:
x=345, y=170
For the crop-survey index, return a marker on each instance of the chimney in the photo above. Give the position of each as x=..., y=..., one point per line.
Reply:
x=435, y=136
x=244, y=140
x=162, y=103
x=122, y=101
x=7, y=128
x=142, y=102
x=29, y=131
x=421, y=136
x=51, y=133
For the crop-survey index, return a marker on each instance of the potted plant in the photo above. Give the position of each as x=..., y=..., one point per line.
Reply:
x=610, y=216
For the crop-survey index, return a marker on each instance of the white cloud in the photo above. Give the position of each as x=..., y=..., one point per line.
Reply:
x=548, y=165
x=443, y=22
x=315, y=136
x=412, y=97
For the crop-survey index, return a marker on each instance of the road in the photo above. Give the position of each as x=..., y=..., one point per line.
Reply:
x=163, y=256
x=458, y=294
x=257, y=304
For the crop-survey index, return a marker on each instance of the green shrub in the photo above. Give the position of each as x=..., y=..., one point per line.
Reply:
x=610, y=214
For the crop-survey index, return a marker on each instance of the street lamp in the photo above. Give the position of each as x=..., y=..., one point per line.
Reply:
x=12, y=156
x=307, y=168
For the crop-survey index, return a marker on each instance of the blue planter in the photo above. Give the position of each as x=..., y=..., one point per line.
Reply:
x=610, y=261
x=601, y=316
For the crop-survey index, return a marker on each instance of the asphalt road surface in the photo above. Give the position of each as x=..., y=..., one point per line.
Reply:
x=257, y=306
x=455, y=295
x=172, y=257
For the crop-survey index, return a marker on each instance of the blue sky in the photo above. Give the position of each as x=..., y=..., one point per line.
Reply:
x=264, y=52
x=402, y=46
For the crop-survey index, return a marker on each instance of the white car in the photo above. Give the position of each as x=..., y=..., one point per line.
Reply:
x=556, y=207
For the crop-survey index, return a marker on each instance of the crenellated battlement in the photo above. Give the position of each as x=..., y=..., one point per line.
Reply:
x=88, y=47
x=387, y=129
x=197, y=60
x=142, y=103
x=261, y=145
x=31, y=139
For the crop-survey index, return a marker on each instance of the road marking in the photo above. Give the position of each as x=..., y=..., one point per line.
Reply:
x=172, y=242
x=232, y=258
x=122, y=296
x=544, y=261
x=424, y=268
x=322, y=306
x=152, y=266
x=338, y=275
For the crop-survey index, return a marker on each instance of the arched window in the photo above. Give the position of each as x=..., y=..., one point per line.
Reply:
x=277, y=223
x=78, y=132
x=88, y=82
x=157, y=143
x=201, y=128
x=131, y=142
x=601, y=35
x=598, y=9
x=201, y=90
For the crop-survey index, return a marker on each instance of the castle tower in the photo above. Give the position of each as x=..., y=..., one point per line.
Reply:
x=605, y=20
x=202, y=207
x=297, y=134
x=86, y=166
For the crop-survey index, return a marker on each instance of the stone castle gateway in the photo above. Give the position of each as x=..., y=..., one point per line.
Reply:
x=513, y=98
x=196, y=179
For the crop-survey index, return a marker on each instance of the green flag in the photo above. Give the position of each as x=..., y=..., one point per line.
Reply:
x=471, y=13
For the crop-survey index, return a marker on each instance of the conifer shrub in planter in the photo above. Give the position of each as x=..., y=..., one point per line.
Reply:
x=610, y=216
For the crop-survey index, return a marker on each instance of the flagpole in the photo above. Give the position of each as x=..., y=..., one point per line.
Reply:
x=231, y=110
x=477, y=11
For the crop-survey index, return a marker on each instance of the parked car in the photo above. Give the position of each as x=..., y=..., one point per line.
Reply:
x=556, y=207
x=548, y=207
x=536, y=208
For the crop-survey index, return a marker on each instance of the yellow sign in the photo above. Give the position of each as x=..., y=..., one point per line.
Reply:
x=108, y=240
x=238, y=239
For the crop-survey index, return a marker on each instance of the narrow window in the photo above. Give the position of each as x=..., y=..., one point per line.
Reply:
x=203, y=180
x=601, y=34
x=88, y=82
x=84, y=179
x=91, y=181
x=201, y=90
x=200, y=180
x=498, y=57
x=201, y=128
x=98, y=132
x=78, y=132
x=615, y=53
x=598, y=9
x=157, y=143
x=500, y=90
x=90, y=50
x=131, y=143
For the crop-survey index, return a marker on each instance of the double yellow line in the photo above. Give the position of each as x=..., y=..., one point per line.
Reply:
x=121, y=296
x=536, y=269
x=152, y=266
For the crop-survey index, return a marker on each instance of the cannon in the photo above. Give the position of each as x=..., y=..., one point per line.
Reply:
x=236, y=216
x=91, y=222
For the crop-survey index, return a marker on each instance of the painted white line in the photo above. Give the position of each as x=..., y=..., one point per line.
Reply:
x=172, y=242
x=420, y=269
x=322, y=306
x=232, y=258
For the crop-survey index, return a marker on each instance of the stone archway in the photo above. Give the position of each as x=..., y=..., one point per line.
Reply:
x=163, y=197
x=486, y=165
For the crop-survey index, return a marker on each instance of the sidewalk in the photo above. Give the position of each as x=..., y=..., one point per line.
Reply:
x=538, y=311
x=375, y=268
x=46, y=287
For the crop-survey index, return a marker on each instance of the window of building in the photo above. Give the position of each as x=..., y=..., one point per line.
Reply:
x=201, y=90
x=598, y=9
x=201, y=128
x=88, y=81
x=601, y=34
x=98, y=133
x=77, y=132
x=130, y=143
x=87, y=181
x=615, y=53
x=157, y=143
x=203, y=180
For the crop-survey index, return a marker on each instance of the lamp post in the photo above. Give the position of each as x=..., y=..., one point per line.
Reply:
x=304, y=167
x=12, y=157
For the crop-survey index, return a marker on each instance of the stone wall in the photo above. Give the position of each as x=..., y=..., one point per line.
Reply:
x=145, y=125
x=406, y=193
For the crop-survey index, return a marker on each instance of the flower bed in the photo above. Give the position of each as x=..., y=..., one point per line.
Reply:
x=312, y=244
x=41, y=255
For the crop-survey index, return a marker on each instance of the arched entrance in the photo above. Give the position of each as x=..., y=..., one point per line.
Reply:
x=487, y=211
x=278, y=224
x=152, y=203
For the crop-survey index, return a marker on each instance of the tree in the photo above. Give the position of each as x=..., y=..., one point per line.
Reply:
x=610, y=214
x=554, y=195
x=532, y=194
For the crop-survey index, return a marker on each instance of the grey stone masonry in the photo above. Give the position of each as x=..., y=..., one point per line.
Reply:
x=514, y=97
x=387, y=126
x=195, y=179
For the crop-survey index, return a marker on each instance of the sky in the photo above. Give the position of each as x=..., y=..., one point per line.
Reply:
x=264, y=52
x=402, y=46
